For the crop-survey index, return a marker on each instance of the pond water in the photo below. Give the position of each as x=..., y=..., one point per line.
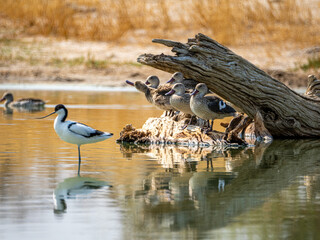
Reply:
x=270, y=191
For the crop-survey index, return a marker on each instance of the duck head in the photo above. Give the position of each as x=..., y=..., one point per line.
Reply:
x=141, y=86
x=8, y=97
x=201, y=89
x=178, y=89
x=177, y=77
x=153, y=81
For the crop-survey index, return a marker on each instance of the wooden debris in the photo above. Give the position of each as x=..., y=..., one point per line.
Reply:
x=168, y=130
x=285, y=113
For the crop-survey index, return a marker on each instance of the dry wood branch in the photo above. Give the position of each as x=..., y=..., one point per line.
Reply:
x=285, y=113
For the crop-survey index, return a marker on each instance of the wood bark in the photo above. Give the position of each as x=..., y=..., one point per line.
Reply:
x=285, y=113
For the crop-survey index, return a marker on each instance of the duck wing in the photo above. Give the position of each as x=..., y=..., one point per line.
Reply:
x=190, y=84
x=160, y=100
x=31, y=100
x=163, y=89
x=217, y=105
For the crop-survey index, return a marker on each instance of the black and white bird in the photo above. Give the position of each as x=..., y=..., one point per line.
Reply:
x=72, y=187
x=209, y=107
x=74, y=132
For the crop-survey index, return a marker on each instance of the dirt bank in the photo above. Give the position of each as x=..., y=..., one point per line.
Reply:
x=39, y=60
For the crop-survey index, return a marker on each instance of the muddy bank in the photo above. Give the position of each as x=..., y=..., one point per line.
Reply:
x=112, y=76
x=40, y=60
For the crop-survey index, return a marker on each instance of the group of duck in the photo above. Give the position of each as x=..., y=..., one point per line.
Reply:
x=184, y=95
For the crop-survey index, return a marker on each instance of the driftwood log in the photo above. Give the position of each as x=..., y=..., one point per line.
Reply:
x=285, y=113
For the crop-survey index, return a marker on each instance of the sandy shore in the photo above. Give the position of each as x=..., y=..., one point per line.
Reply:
x=39, y=60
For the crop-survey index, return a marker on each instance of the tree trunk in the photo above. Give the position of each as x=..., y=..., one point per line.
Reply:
x=285, y=113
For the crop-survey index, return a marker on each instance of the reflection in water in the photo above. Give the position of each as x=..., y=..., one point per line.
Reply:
x=70, y=188
x=262, y=192
x=173, y=156
x=7, y=110
x=195, y=201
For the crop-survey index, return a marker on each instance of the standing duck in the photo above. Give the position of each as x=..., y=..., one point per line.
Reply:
x=209, y=107
x=154, y=95
x=31, y=104
x=180, y=100
x=160, y=94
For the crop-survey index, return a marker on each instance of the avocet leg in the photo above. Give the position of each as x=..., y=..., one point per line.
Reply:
x=79, y=160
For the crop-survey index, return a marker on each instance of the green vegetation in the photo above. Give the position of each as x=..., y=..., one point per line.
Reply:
x=312, y=63
x=89, y=62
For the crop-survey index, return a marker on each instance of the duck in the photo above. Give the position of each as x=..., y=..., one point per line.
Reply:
x=154, y=95
x=154, y=82
x=180, y=100
x=32, y=104
x=142, y=87
x=75, y=132
x=209, y=107
x=160, y=94
x=178, y=77
x=313, y=88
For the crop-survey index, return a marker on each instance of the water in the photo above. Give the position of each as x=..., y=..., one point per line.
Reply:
x=271, y=191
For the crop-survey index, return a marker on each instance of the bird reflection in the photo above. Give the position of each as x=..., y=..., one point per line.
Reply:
x=7, y=110
x=72, y=187
x=181, y=157
x=23, y=104
x=191, y=173
x=241, y=180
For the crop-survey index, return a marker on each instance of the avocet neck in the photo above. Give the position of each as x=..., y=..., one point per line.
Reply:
x=62, y=115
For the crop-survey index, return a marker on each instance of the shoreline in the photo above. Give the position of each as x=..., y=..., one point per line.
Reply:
x=84, y=87
x=49, y=63
x=65, y=87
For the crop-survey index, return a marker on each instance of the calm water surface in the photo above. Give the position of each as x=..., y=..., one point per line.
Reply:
x=271, y=191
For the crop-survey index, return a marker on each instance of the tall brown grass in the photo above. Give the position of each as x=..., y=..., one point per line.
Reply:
x=227, y=21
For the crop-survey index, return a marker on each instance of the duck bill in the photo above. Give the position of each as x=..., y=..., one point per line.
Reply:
x=171, y=92
x=130, y=83
x=194, y=92
x=2, y=99
x=46, y=116
x=147, y=82
x=171, y=80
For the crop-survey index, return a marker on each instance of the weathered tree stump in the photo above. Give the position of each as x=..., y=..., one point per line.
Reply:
x=284, y=112
x=169, y=130
x=165, y=130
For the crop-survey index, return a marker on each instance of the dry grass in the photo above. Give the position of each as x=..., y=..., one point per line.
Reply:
x=228, y=21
